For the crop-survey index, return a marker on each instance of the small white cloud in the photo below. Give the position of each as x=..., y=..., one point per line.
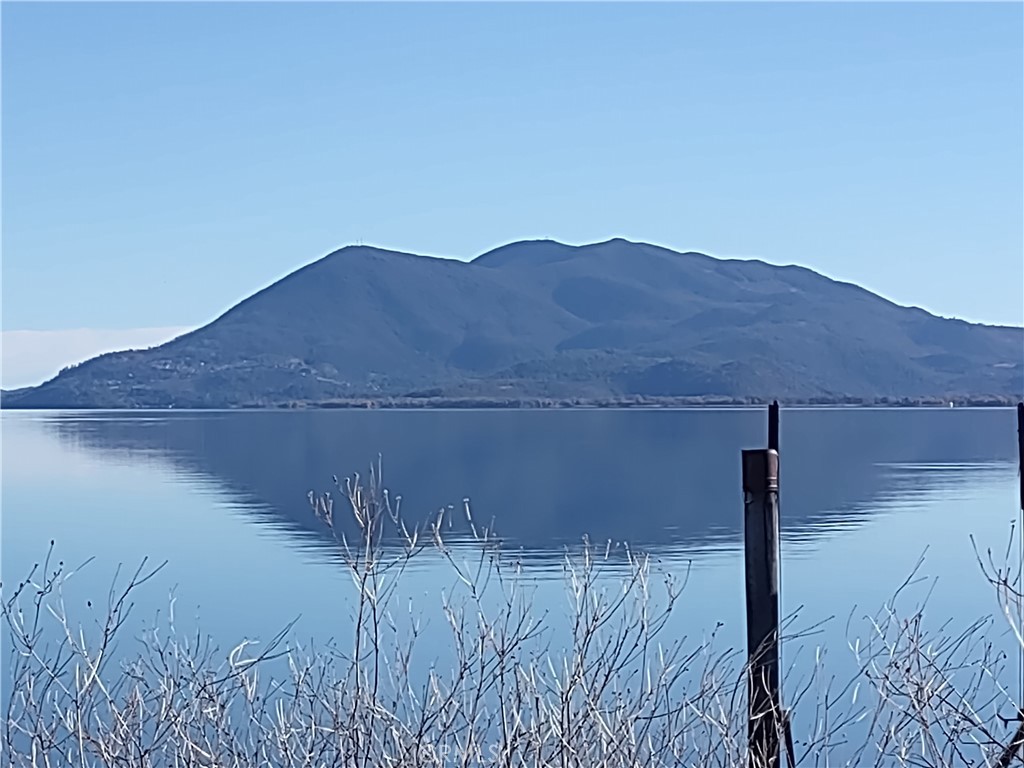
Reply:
x=32, y=357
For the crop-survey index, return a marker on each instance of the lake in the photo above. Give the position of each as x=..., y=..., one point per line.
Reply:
x=223, y=498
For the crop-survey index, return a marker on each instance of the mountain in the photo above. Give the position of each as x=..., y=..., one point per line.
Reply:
x=541, y=319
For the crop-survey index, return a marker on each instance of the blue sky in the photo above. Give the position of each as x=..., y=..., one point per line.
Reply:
x=162, y=161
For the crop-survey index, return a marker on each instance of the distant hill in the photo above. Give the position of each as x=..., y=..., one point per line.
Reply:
x=540, y=319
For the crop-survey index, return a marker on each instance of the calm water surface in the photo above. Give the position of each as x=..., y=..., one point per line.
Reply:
x=222, y=496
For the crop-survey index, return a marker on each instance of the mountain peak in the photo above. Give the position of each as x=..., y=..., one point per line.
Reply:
x=532, y=253
x=355, y=250
x=527, y=253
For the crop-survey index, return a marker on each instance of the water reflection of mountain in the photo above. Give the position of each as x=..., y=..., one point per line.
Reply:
x=654, y=478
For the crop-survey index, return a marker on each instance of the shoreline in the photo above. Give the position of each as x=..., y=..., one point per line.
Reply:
x=532, y=404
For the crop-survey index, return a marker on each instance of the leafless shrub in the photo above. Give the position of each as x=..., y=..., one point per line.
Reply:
x=601, y=684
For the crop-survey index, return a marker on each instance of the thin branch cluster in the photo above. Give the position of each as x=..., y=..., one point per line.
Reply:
x=602, y=684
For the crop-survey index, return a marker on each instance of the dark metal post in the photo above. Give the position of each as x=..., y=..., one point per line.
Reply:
x=773, y=425
x=1017, y=742
x=761, y=544
x=1020, y=450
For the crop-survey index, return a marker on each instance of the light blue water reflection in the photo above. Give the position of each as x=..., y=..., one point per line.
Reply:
x=223, y=498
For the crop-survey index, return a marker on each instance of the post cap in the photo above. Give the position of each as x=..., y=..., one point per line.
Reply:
x=760, y=471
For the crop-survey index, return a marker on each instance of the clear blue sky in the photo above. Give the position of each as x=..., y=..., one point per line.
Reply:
x=162, y=161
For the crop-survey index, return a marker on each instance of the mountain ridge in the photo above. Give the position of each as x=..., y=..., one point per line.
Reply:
x=543, y=319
